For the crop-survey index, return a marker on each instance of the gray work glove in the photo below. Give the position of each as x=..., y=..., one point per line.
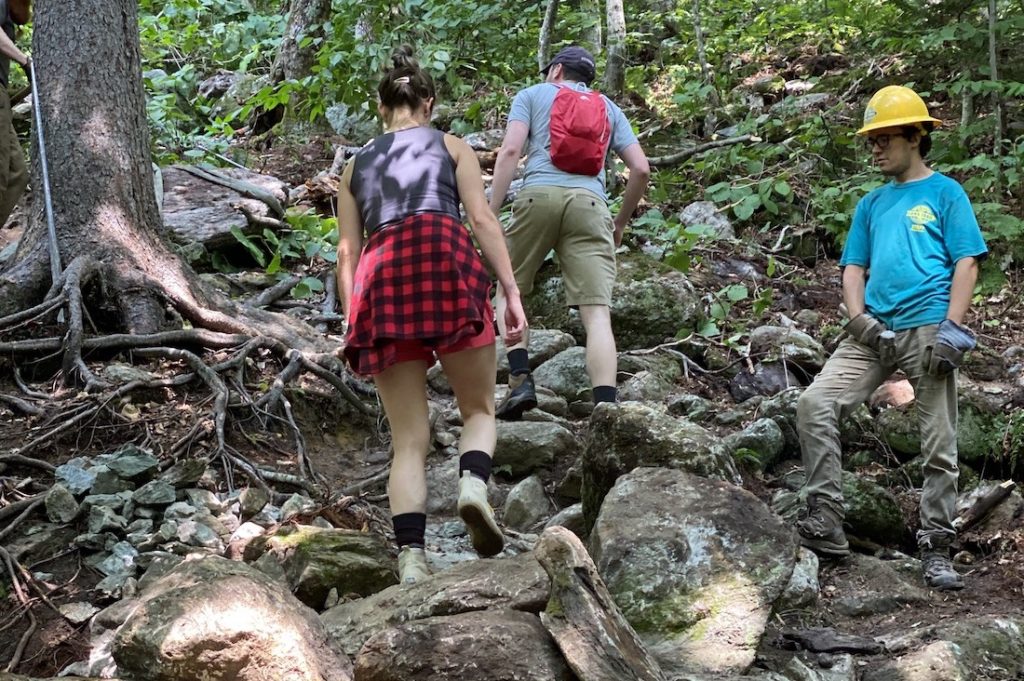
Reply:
x=951, y=342
x=866, y=329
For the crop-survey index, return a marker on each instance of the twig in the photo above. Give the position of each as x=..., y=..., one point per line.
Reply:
x=21, y=405
x=360, y=485
x=19, y=650
x=330, y=302
x=126, y=341
x=23, y=387
x=18, y=319
x=208, y=375
x=339, y=383
x=244, y=188
x=262, y=220
x=275, y=292
x=680, y=156
x=26, y=505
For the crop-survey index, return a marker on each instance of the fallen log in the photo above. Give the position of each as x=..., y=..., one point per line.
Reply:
x=594, y=637
x=983, y=506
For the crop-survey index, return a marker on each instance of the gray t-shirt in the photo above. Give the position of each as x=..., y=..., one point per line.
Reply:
x=533, y=107
x=7, y=24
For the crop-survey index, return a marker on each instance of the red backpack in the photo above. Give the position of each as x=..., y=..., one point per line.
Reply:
x=579, y=131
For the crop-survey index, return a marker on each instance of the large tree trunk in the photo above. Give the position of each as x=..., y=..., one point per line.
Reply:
x=86, y=59
x=615, y=72
x=305, y=18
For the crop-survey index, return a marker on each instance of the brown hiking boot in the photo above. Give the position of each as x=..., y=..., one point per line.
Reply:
x=522, y=396
x=936, y=567
x=820, y=528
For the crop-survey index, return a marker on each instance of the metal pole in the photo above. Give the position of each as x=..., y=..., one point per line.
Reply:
x=51, y=228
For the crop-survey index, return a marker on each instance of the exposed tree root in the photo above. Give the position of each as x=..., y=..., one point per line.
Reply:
x=221, y=350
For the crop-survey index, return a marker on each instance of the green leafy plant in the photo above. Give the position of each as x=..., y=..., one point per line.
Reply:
x=309, y=238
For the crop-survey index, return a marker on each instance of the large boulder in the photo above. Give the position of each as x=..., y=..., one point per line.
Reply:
x=218, y=619
x=695, y=566
x=543, y=345
x=760, y=443
x=492, y=645
x=518, y=583
x=786, y=344
x=316, y=560
x=626, y=435
x=525, y=446
x=979, y=647
x=872, y=512
x=651, y=302
x=983, y=421
x=565, y=374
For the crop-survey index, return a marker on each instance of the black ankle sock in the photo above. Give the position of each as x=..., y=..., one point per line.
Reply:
x=410, y=529
x=604, y=393
x=518, y=361
x=476, y=462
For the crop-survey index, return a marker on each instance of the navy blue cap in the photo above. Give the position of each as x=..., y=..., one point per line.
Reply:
x=577, y=59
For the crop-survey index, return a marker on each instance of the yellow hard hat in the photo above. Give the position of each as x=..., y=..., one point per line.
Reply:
x=895, y=105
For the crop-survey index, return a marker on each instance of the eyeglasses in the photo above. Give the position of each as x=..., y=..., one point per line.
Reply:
x=881, y=141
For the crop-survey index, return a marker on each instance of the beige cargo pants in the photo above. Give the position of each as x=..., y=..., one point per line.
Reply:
x=849, y=377
x=13, y=173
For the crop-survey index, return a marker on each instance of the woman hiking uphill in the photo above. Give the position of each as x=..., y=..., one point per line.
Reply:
x=419, y=290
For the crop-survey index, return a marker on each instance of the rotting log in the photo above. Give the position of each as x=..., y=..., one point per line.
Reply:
x=594, y=637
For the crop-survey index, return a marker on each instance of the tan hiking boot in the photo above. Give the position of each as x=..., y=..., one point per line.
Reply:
x=821, y=528
x=478, y=516
x=412, y=565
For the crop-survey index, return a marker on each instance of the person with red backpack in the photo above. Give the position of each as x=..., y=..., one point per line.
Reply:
x=566, y=129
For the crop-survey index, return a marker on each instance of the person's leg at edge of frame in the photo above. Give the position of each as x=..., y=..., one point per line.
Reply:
x=530, y=236
x=471, y=374
x=522, y=395
x=586, y=250
x=602, y=358
x=402, y=390
x=847, y=380
x=936, y=400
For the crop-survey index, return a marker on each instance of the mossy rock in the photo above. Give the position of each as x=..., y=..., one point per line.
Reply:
x=315, y=560
x=651, y=302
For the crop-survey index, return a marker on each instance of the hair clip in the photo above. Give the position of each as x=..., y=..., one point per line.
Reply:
x=403, y=79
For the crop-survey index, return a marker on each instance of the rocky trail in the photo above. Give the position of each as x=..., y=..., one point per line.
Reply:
x=677, y=561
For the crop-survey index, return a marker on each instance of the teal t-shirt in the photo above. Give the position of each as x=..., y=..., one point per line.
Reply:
x=909, y=236
x=533, y=107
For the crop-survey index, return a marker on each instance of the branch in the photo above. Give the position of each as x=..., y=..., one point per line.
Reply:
x=244, y=188
x=275, y=292
x=126, y=341
x=29, y=505
x=680, y=156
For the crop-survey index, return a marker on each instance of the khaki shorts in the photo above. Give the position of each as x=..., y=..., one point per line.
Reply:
x=575, y=223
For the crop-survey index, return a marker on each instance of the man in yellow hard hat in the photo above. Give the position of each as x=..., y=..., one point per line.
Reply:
x=918, y=239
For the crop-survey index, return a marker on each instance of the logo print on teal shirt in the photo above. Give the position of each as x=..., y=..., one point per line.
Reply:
x=919, y=215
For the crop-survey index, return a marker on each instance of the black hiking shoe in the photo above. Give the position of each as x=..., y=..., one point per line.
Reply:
x=821, y=529
x=936, y=567
x=522, y=396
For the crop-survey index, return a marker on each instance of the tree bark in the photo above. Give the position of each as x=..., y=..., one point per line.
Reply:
x=305, y=19
x=615, y=71
x=88, y=71
x=993, y=65
x=546, y=29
